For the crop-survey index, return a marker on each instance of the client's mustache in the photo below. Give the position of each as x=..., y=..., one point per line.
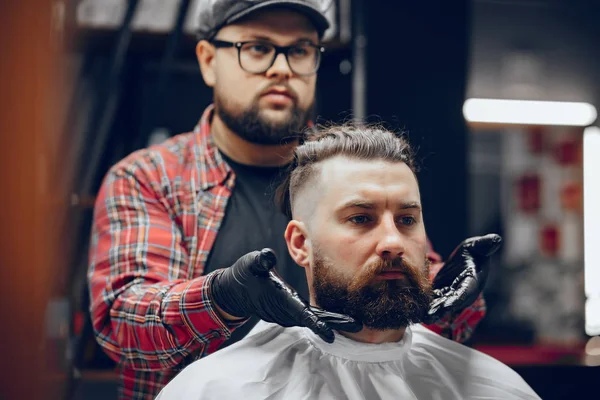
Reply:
x=398, y=264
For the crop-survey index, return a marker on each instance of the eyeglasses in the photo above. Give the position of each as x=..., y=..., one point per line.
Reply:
x=256, y=57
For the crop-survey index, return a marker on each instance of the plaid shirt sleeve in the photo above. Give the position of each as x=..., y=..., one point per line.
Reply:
x=146, y=311
x=456, y=326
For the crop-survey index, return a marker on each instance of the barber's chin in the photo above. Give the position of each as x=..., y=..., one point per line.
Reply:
x=276, y=111
x=275, y=116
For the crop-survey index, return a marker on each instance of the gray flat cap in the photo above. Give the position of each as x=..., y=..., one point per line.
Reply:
x=215, y=14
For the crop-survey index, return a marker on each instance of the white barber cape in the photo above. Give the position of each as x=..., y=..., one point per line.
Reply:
x=293, y=363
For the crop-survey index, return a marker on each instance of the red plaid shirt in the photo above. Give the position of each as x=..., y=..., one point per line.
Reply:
x=156, y=218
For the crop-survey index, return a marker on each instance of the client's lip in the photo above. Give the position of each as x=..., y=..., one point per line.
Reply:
x=391, y=274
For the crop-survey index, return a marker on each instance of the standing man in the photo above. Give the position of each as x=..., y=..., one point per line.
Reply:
x=170, y=220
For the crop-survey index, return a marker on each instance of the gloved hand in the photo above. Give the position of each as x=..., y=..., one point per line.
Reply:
x=250, y=287
x=462, y=278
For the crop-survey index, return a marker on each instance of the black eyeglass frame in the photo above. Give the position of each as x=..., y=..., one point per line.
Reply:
x=278, y=50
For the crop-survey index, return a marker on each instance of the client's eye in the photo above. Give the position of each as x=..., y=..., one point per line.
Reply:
x=359, y=219
x=408, y=220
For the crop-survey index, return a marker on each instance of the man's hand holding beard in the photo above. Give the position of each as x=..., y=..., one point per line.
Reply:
x=462, y=277
x=251, y=286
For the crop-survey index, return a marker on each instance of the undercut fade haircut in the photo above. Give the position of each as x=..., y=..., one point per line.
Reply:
x=354, y=141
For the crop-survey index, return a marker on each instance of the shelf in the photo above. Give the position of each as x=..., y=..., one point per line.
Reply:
x=91, y=375
x=82, y=202
x=488, y=126
x=152, y=44
x=546, y=355
x=99, y=375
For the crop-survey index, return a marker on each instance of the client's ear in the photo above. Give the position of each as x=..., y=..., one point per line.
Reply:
x=298, y=243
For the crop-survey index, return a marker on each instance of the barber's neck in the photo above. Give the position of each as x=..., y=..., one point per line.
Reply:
x=247, y=153
x=375, y=336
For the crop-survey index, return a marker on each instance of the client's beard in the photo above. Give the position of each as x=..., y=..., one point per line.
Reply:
x=379, y=305
x=251, y=126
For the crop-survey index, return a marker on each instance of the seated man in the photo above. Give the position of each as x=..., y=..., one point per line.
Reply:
x=358, y=231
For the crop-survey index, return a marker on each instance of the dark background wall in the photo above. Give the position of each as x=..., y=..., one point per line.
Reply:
x=417, y=59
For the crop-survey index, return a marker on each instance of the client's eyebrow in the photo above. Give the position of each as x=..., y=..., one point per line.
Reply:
x=411, y=204
x=367, y=205
x=358, y=203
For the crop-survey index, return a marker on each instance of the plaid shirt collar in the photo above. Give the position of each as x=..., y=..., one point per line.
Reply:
x=212, y=170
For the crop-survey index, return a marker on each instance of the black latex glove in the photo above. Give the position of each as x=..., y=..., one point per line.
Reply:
x=462, y=278
x=250, y=287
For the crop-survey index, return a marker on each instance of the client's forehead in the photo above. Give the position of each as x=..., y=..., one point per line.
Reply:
x=342, y=178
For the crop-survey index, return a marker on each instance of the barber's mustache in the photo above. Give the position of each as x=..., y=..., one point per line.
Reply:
x=279, y=86
x=397, y=265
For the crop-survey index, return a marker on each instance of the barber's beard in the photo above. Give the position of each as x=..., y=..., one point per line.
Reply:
x=381, y=304
x=251, y=125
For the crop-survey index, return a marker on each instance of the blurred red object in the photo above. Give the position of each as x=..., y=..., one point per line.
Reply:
x=535, y=140
x=528, y=192
x=566, y=151
x=571, y=196
x=78, y=323
x=549, y=240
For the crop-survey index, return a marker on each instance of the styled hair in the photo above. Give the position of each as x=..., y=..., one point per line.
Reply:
x=359, y=142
